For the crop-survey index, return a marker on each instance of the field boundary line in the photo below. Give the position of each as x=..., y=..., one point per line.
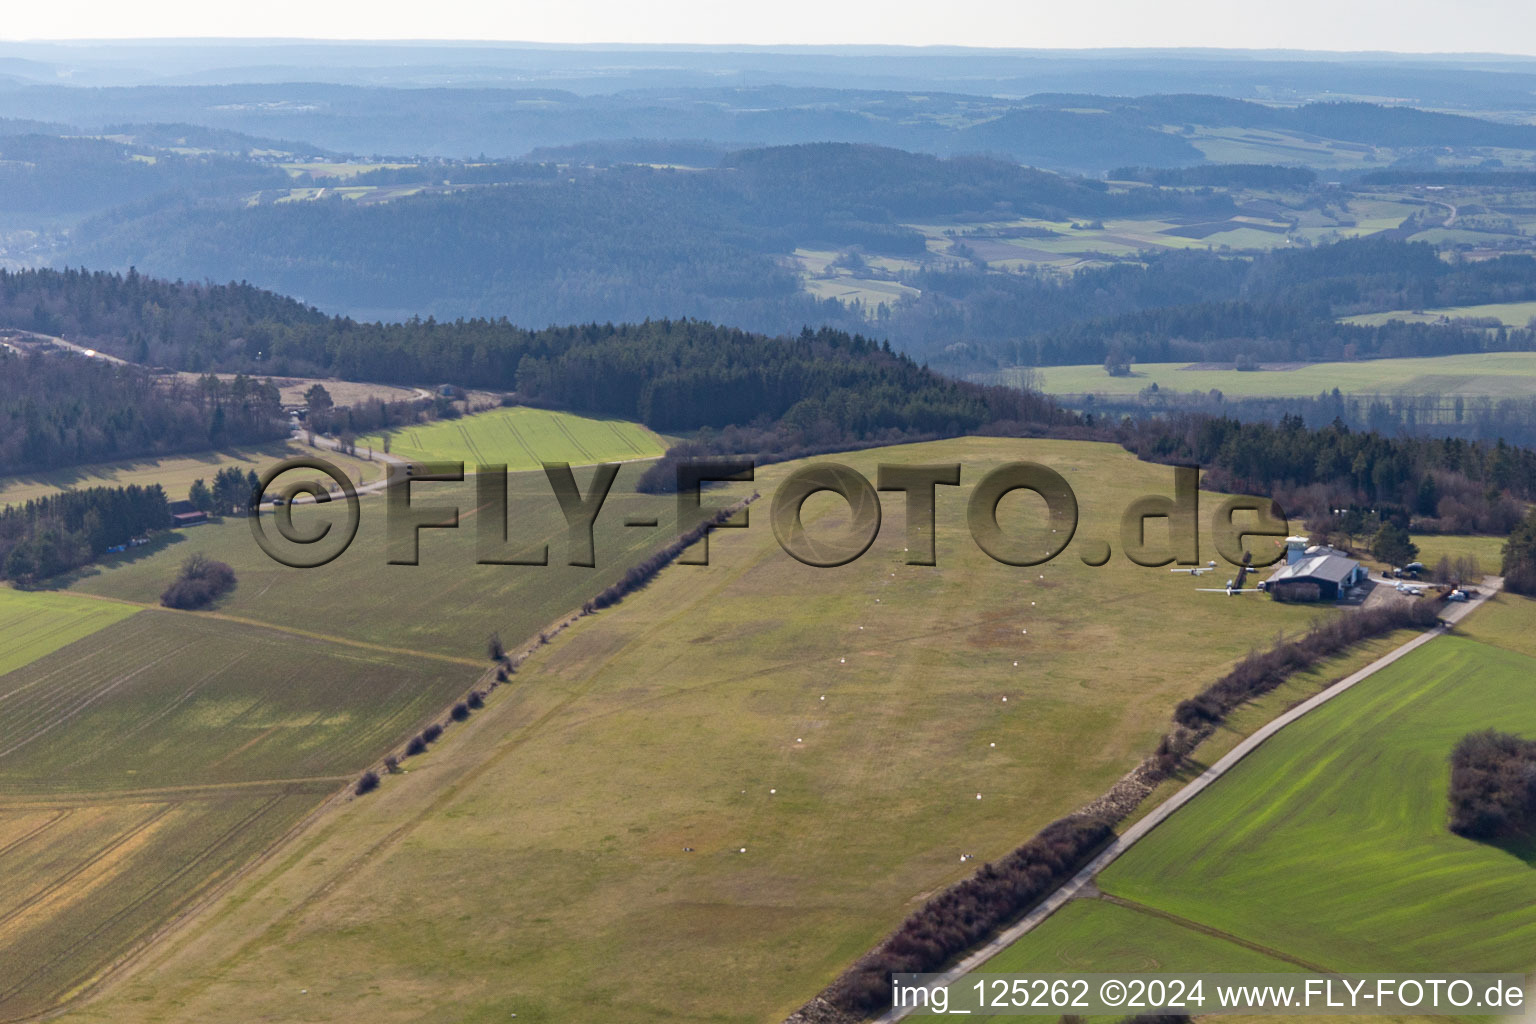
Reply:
x=1075, y=885
x=308, y=634
x=1205, y=929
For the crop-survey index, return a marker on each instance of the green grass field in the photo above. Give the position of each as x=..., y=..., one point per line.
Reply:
x=33, y=624
x=1329, y=844
x=534, y=863
x=1088, y=936
x=1512, y=314
x=523, y=438
x=175, y=473
x=1493, y=375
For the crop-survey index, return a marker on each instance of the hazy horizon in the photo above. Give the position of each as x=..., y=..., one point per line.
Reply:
x=1415, y=28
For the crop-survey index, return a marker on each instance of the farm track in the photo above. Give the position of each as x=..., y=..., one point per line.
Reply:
x=307, y=634
x=1216, y=933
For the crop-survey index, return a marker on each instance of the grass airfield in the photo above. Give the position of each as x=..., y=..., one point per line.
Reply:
x=534, y=862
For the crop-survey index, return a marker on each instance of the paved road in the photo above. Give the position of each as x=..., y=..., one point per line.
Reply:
x=1134, y=834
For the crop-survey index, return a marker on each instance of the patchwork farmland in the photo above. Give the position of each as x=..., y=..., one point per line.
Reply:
x=750, y=770
x=138, y=775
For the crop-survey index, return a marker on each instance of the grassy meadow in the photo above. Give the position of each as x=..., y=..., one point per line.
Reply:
x=703, y=803
x=1491, y=375
x=522, y=438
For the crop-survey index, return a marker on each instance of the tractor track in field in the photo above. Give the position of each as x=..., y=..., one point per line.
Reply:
x=221, y=842
x=63, y=880
x=560, y=426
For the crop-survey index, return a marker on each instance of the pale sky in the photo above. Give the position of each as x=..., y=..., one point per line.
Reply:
x=1415, y=26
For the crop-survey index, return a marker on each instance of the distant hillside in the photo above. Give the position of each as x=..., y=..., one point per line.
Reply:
x=620, y=244
x=668, y=374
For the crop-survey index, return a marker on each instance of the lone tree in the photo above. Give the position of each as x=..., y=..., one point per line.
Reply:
x=318, y=406
x=201, y=497
x=1393, y=546
x=201, y=582
x=495, y=648
x=1493, y=786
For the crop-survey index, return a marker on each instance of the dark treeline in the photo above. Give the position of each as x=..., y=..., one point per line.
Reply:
x=968, y=912
x=1442, y=483
x=1261, y=672
x=1223, y=175
x=1445, y=176
x=1477, y=418
x=645, y=571
x=1278, y=307
x=1493, y=786
x=48, y=536
x=61, y=410
x=686, y=374
x=1394, y=126
x=669, y=374
x=1267, y=332
x=1201, y=306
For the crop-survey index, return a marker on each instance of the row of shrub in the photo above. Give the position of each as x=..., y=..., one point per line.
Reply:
x=643, y=572
x=967, y=912
x=633, y=580
x=1260, y=672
